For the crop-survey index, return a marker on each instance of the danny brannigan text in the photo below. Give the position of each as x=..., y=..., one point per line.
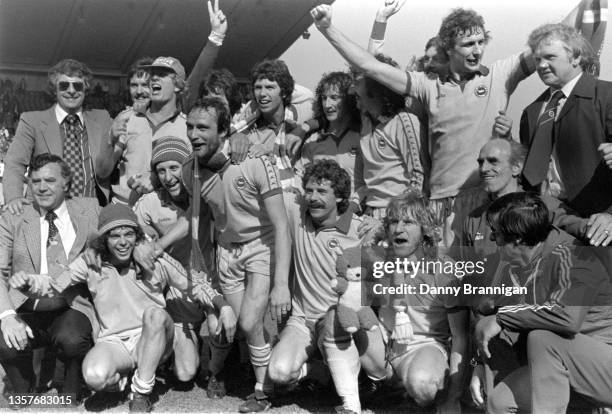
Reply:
x=465, y=289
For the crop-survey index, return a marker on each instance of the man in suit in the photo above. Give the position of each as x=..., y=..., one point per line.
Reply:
x=65, y=129
x=565, y=156
x=48, y=234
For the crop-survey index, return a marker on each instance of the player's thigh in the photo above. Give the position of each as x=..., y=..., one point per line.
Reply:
x=106, y=359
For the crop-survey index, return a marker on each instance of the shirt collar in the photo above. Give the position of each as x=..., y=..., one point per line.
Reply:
x=445, y=73
x=568, y=87
x=61, y=212
x=61, y=114
x=343, y=224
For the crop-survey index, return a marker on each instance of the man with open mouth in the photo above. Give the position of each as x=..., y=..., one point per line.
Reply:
x=134, y=133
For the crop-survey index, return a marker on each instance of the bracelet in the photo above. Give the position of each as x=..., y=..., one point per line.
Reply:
x=216, y=38
x=8, y=312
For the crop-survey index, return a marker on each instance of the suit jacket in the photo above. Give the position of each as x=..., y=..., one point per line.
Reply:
x=38, y=132
x=585, y=121
x=20, y=250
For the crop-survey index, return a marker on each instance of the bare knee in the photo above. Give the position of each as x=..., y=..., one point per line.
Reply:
x=423, y=386
x=97, y=376
x=155, y=319
x=250, y=325
x=185, y=372
x=281, y=370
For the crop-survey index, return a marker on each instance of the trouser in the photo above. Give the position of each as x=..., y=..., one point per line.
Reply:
x=558, y=364
x=68, y=331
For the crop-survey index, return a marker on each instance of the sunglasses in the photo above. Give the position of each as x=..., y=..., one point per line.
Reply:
x=64, y=85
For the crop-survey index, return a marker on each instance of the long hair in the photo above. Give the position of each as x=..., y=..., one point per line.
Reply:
x=414, y=206
x=100, y=243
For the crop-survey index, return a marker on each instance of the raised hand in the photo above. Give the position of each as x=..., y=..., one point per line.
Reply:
x=388, y=9
x=218, y=21
x=322, y=16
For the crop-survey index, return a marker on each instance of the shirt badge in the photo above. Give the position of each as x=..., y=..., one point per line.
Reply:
x=239, y=182
x=481, y=91
x=333, y=243
x=478, y=236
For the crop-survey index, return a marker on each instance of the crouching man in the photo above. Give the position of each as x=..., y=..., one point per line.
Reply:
x=562, y=318
x=321, y=223
x=136, y=333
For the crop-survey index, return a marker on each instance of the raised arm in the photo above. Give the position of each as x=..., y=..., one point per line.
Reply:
x=377, y=38
x=392, y=77
x=208, y=55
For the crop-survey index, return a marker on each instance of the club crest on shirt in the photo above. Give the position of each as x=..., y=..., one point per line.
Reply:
x=481, y=91
x=381, y=143
x=239, y=182
x=332, y=243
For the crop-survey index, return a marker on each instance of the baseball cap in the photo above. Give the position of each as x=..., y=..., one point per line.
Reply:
x=168, y=62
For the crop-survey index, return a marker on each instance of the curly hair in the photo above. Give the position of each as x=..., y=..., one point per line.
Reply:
x=520, y=216
x=343, y=81
x=100, y=243
x=68, y=67
x=223, y=82
x=414, y=206
x=218, y=105
x=392, y=102
x=274, y=71
x=332, y=171
x=573, y=42
x=460, y=22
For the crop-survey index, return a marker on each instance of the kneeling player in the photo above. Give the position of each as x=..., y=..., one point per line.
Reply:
x=135, y=330
x=427, y=335
x=321, y=223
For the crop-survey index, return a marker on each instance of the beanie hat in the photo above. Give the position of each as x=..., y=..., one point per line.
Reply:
x=116, y=215
x=169, y=149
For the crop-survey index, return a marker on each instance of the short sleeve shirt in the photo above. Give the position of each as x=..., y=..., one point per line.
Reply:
x=461, y=119
x=245, y=187
x=345, y=150
x=314, y=256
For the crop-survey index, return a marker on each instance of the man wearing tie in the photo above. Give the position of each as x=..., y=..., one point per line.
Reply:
x=48, y=235
x=569, y=127
x=65, y=129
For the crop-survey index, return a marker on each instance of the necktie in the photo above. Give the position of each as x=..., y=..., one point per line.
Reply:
x=73, y=154
x=538, y=158
x=53, y=231
x=56, y=256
